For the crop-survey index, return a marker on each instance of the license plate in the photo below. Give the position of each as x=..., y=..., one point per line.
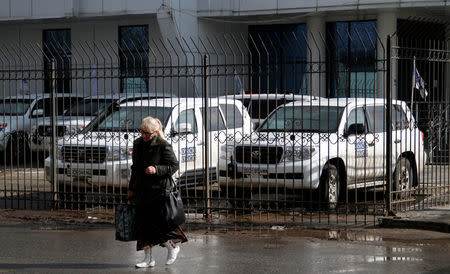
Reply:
x=74, y=172
x=254, y=171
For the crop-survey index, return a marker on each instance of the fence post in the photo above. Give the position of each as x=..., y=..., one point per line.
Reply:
x=53, y=123
x=388, y=127
x=206, y=135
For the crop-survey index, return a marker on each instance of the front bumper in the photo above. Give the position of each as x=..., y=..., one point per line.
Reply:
x=292, y=175
x=116, y=174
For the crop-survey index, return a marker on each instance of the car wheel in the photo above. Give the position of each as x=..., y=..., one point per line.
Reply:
x=403, y=175
x=329, y=187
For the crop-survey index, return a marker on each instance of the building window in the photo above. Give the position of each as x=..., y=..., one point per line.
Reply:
x=57, y=53
x=134, y=62
x=278, y=58
x=351, y=59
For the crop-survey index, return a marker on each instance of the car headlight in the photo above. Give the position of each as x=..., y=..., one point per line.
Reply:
x=118, y=153
x=298, y=153
x=226, y=151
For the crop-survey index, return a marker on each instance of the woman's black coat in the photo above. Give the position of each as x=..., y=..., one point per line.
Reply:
x=156, y=152
x=149, y=190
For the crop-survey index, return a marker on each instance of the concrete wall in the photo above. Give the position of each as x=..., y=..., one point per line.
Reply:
x=181, y=32
x=15, y=10
x=94, y=54
x=257, y=7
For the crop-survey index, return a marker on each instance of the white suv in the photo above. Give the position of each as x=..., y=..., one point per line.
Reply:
x=79, y=116
x=101, y=155
x=19, y=114
x=328, y=144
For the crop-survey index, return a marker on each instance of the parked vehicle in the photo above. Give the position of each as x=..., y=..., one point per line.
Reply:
x=327, y=145
x=101, y=154
x=75, y=119
x=260, y=105
x=19, y=114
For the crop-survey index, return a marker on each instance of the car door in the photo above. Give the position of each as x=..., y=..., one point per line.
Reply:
x=376, y=117
x=187, y=145
x=360, y=145
x=216, y=127
x=401, y=135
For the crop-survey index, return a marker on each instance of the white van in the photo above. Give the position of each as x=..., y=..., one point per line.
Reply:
x=328, y=144
x=101, y=155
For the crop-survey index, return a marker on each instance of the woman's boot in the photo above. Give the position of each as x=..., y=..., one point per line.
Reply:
x=148, y=260
x=173, y=250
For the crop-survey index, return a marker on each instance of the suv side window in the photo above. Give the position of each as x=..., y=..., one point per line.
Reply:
x=376, y=116
x=61, y=104
x=187, y=117
x=215, y=119
x=399, y=120
x=233, y=116
x=357, y=116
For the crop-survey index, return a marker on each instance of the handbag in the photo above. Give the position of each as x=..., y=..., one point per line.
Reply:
x=125, y=223
x=173, y=209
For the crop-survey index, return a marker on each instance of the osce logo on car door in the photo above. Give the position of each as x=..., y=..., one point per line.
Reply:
x=187, y=154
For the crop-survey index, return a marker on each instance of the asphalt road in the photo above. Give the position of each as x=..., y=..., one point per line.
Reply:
x=47, y=249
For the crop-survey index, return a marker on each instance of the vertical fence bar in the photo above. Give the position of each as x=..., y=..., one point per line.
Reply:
x=206, y=135
x=388, y=126
x=53, y=123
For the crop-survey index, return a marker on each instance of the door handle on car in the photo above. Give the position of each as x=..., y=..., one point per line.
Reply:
x=397, y=141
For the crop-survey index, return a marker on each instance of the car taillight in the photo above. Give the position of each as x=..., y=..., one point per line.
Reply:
x=423, y=136
x=3, y=125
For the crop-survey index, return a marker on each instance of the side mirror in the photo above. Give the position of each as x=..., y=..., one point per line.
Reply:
x=38, y=113
x=181, y=129
x=355, y=129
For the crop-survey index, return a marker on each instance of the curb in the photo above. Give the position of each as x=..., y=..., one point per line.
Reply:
x=395, y=222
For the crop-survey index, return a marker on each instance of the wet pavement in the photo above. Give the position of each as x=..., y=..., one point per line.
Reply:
x=48, y=248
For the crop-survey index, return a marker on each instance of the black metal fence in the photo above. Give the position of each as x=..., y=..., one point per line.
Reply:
x=267, y=126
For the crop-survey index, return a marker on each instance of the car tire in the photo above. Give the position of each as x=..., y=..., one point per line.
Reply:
x=403, y=178
x=329, y=187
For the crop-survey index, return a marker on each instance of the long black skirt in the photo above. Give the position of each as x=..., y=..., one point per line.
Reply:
x=150, y=231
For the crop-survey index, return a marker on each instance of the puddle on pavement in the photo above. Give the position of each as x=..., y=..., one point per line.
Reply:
x=353, y=236
x=333, y=235
x=374, y=259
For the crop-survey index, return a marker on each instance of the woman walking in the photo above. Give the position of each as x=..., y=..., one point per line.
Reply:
x=153, y=165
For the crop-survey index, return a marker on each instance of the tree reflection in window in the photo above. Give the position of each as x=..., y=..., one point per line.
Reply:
x=351, y=59
x=57, y=51
x=133, y=54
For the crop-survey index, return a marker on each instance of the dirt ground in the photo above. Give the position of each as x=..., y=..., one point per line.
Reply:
x=11, y=216
x=76, y=220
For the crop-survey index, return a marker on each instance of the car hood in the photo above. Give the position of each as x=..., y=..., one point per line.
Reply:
x=285, y=139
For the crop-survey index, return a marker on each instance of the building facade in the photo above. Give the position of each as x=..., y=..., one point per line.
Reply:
x=329, y=48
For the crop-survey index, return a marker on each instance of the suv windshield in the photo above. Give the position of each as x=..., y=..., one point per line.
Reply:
x=14, y=106
x=260, y=108
x=130, y=118
x=304, y=119
x=89, y=107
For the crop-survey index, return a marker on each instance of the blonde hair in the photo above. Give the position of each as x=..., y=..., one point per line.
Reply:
x=151, y=124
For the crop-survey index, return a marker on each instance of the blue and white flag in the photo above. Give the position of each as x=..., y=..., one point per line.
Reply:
x=418, y=82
